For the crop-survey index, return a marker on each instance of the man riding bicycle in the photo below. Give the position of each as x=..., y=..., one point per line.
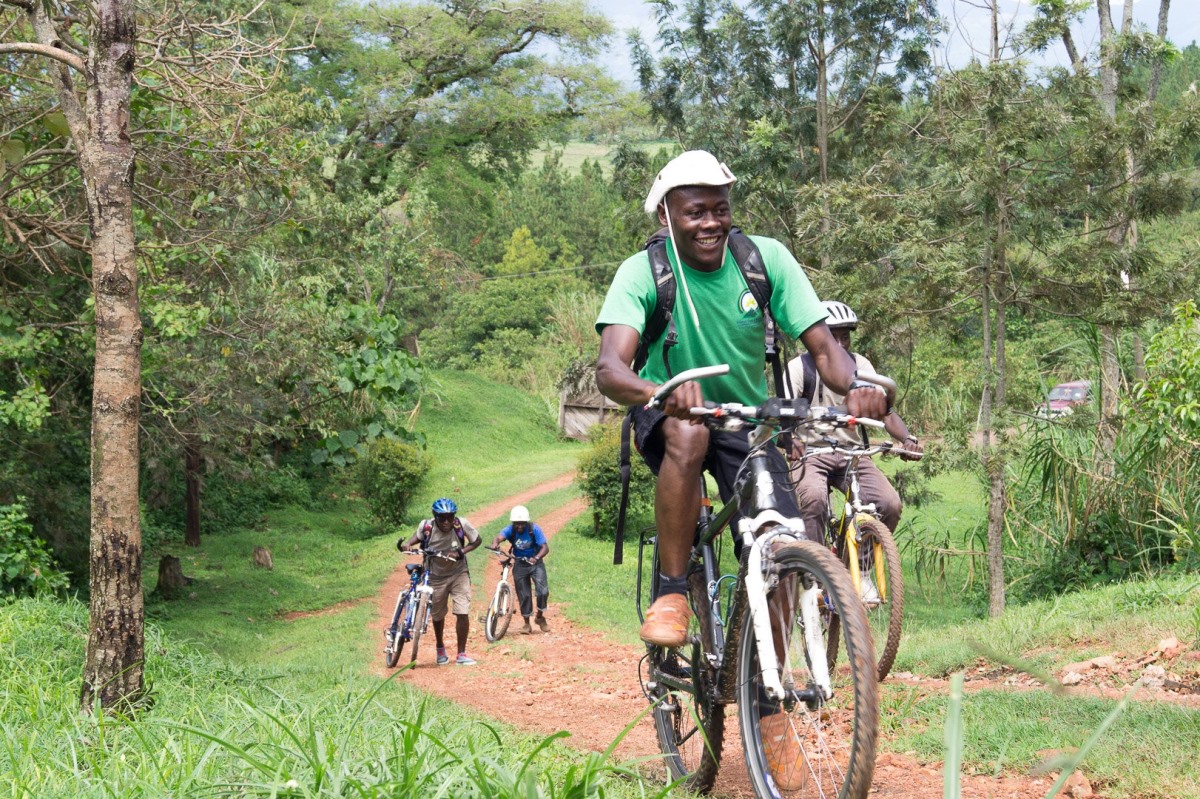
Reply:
x=529, y=547
x=716, y=320
x=819, y=472
x=454, y=536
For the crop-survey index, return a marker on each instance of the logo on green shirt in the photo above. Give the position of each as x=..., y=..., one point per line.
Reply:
x=747, y=304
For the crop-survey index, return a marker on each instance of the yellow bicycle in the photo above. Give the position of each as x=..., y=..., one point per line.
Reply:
x=867, y=548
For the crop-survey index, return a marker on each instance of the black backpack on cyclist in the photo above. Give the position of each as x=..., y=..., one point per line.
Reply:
x=754, y=272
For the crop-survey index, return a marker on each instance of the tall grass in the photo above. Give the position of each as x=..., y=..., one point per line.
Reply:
x=221, y=730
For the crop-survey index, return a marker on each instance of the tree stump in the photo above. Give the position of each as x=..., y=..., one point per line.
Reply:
x=262, y=557
x=170, y=578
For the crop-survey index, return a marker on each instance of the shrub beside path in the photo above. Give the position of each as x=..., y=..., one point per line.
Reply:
x=574, y=679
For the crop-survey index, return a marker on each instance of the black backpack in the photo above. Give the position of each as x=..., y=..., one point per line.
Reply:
x=754, y=272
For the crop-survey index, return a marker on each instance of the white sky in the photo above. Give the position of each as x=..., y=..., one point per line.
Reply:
x=968, y=22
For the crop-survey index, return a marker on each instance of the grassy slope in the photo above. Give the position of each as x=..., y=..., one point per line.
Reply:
x=222, y=729
x=487, y=444
x=487, y=441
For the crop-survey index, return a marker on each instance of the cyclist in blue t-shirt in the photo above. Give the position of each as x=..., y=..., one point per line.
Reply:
x=528, y=545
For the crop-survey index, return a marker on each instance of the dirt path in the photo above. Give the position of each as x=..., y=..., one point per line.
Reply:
x=573, y=679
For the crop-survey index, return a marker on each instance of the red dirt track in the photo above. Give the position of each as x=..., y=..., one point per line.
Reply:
x=573, y=678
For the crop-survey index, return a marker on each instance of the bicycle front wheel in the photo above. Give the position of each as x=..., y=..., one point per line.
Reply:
x=420, y=621
x=392, y=642
x=806, y=745
x=687, y=718
x=499, y=613
x=882, y=592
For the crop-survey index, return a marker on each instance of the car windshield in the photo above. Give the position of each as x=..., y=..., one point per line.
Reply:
x=1068, y=393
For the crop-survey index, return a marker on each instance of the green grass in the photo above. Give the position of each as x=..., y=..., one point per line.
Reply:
x=488, y=441
x=322, y=558
x=216, y=729
x=1148, y=751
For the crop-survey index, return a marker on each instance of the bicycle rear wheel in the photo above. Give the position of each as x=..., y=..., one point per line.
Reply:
x=499, y=613
x=420, y=621
x=806, y=746
x=687, y=718
x=879, y=558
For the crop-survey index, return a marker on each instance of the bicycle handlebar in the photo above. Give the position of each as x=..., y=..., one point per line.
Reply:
x=685, y=376
x=779, y=410
x=500, y=553
x=887, y=447
x=435, y=553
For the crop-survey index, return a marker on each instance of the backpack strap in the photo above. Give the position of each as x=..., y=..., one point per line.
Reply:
x=426, y=530
x=808, y=378
x=662, y=317
x=619, y=545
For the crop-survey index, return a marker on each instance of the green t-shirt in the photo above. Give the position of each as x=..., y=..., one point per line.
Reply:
x=731, y=324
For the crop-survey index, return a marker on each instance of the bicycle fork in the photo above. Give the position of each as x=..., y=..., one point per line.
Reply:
x=772, y=673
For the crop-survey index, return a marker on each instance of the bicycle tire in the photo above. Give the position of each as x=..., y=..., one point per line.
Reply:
x=885, y=619
x=420, y=619
x=391, y=655
x=690, y=724
x=836, y=738
x=499, y=613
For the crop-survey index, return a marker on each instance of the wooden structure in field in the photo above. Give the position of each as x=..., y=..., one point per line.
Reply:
x=581, y=405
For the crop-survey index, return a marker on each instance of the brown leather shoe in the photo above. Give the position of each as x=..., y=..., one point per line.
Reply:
x=781, y=745
x=666, y=621
x=542, y=624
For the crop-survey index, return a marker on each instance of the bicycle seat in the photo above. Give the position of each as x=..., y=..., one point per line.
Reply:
x=412, y=567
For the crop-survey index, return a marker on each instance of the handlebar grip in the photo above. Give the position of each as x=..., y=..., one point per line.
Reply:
x=883, y=381
x=686, y=376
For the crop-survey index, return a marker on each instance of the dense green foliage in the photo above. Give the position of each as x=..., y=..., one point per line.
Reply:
x=390, y=476
x=600, y=481
x=27, y=567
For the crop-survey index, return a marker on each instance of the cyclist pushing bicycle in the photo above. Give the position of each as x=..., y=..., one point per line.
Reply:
x=454, y=537
x=528, y=546
x=715, y=316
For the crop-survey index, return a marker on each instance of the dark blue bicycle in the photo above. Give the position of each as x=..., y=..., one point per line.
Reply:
x=411, y=619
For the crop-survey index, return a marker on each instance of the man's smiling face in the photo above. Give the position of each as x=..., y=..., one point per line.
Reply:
x=700, y=218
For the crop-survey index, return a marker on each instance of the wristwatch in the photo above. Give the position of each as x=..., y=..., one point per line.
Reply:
x=912, y=438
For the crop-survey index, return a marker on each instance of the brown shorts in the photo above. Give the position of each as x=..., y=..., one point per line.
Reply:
x=455, y=590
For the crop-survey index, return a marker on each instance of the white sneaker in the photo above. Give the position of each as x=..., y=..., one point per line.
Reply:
x=869, y=592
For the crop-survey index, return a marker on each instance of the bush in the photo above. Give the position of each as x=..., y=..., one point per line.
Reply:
x=26, y=565
x=390, y=475
x=600, y=480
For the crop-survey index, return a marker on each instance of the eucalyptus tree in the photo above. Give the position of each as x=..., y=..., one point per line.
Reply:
x=1150, y=141
x=435, y=102
x=74, y=121
x=781, y=89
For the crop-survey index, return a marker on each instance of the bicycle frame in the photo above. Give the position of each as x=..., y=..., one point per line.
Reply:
x=755, y=490
x=852, y=508
x=406, y=604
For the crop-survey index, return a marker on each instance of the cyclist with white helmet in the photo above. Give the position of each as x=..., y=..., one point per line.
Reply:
x=528, y=545
x=450, y=580
x=716, y=319
x=819, y=472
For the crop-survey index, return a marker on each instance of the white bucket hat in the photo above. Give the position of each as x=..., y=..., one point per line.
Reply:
x=693, y=168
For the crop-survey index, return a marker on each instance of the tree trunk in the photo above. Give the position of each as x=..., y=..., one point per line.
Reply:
x=262, y=558
x=1110, y=370
x=1110, y=378
x=113, y=669
x=821, y=59
x=191, y=477
x=171, y=581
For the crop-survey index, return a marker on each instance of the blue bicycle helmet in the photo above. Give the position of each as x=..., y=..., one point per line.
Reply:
x=444, y=505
